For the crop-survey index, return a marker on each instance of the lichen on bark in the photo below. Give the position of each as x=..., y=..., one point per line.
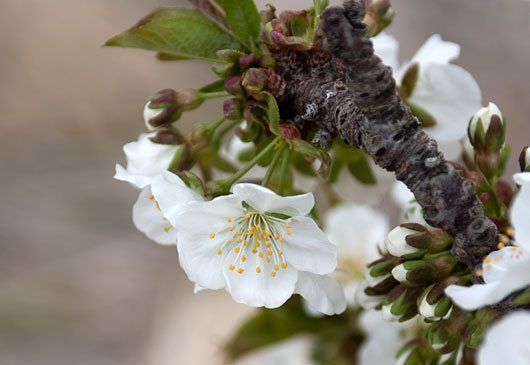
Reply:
x=343, y=89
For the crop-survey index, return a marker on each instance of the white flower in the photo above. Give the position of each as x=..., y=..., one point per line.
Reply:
x=145, y=161
x=507, y=270
x=358, y=232
x=448, y=92
x=506, y=342
x=411, y=211
x=384, y=339
x=260, y=247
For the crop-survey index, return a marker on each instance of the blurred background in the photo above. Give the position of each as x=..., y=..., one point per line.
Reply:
x=78, y=284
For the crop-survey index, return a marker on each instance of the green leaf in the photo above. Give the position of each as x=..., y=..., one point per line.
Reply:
x=361, y=170
x=243, y=18
x=273, y=113
x=215, y=86
x=313, y=152
x=178, y=33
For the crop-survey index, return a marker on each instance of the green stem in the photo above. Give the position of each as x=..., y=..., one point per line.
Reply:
x=225, y=130
x=236, y=176
x=493, y=196
x=273, y=164
x=283, y=170
x=214, y=95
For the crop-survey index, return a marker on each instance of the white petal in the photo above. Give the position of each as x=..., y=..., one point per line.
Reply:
x=206, y=217
x=265, y=200
x=366, y=301
x=307, y=247
x=148, y=158
x=522, y=177
x=506, y=342
x=172, y=194
x=480, y=295
x=203, y=228
x=148, y=219
x=322, y=292
x=358, y=231
x=199, y=259
x=519, y=216
x=436, y=50
x=259, y=289
x=379, y=333
x=451, y=95
x=497, y=263
x=386, y=47
x=140, y=181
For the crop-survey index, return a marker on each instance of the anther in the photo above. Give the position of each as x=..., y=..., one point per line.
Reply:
x=212, y=235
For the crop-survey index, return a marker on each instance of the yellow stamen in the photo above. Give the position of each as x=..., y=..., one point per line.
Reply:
x=284, y=265
x=231, y=267
x=243, y=258
x=501, y=245
x=261, y=254
x=267, y=245
x=276, y=267
x=240, y=271
x=231, y=228
x=269, y=253
x=273, y=274
x=219, y=251
x=228, y=219
x=231, y=240
x=212, y=235
x=268, y=259
x=239, y=233
x=258, y=269
x=288, y=229
x=237, y=249
x=479, y=272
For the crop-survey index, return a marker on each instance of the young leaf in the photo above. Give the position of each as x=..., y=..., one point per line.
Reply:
x=177, y=32
x=243, y=18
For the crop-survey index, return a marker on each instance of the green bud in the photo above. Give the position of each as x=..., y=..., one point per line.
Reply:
x=165, y=136
x=254, y=80
x=233, y=109
x=167, y=106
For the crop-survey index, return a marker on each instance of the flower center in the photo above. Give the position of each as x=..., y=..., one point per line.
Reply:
x=259, y=234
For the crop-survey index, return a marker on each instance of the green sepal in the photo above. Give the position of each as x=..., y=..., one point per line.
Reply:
x=177, y=32
x=522, y=299
x=312, y=152
x=410, y=79
x=506, y=151
x=194, y=182
x=426, y=119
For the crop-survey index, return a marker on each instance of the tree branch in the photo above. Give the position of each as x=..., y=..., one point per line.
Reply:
x=344, y=89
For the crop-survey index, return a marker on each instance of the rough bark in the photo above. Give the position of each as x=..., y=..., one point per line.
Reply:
x=346, y=90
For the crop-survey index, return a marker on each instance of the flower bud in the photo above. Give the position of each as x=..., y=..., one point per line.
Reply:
x=524, y=159
x=425, y=271
x=289, y=131
x=233, y=109
x=233, y=85
x=487, y=128
x=254, y=80
x=436, y=310
x=400, y=304
x=164, y=136
x=167, y=106
x=267, y=14
x=396, y=243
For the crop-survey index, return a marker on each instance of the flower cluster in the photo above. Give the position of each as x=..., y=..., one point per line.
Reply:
x=235, y=196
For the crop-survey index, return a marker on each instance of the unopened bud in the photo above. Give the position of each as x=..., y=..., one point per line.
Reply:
x=289, y=131
x=233, y=85
x=254, y=80
x=167, y=106
x=487, y=128
x=233, y=109
x=164, y=136
x=434, y=311
x=400, y=304
x=524, y=159
x=426, y=271
x=396, y=243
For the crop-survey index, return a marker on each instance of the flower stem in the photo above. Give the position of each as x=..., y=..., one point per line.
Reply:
x=236, y=176
x=283, y=170
x=214, y=95
x=274, y=162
